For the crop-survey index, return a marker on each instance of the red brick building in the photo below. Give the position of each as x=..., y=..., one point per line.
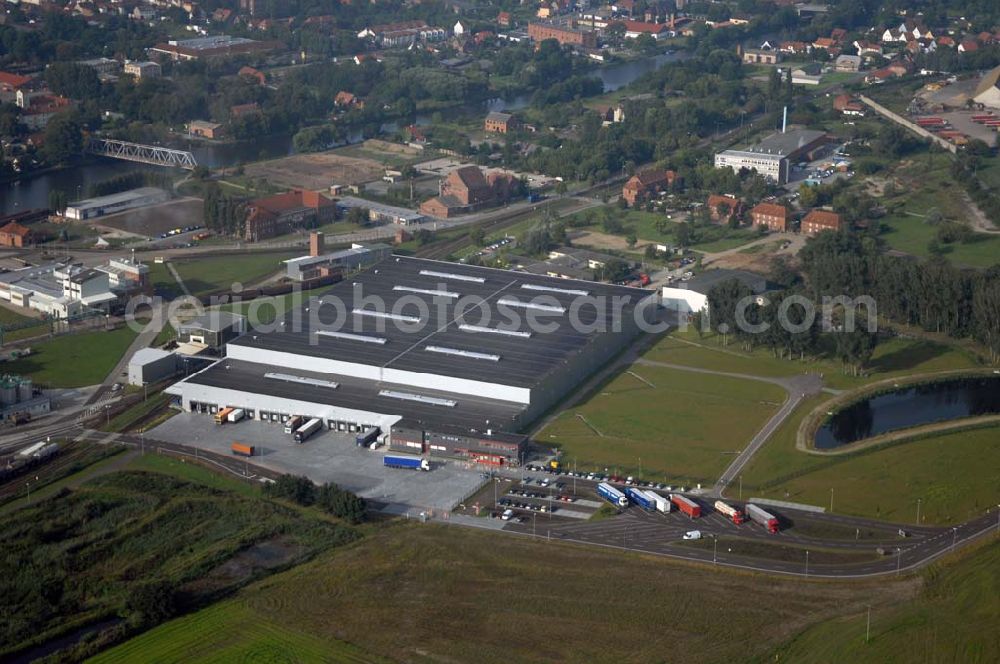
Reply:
x=772, y=216
x=467, y=189
x=15, y=235
x=818, y=221
x=499, y=123
x=539, y=32
x=645, y=184
x=728, y=205
x=276, y=215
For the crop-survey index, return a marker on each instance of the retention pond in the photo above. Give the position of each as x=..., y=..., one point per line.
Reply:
x=910, y=407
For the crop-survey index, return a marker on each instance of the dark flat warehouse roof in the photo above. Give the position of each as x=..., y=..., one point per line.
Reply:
x=476, y=291
x=469, y=412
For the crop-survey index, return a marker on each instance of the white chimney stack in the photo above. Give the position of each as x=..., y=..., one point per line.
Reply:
x=784, y=120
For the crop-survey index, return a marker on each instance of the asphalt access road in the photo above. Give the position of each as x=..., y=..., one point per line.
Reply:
x=640, y=531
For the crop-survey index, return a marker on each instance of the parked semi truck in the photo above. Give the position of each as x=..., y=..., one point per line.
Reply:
x=307, y=429
x=686, y=505
x=662, y=504
x=293, y=423
x=612, y=495
x=639, y=497
x=222, y=416
x=239, y=449
x=729, y=511
x=237, y=415
x=365, y=438
x=763, y=517
x=409, y=463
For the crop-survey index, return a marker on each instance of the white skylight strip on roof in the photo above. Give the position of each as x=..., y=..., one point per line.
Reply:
x=452, y=275
x=553, y=289
x=409, y=396
x=426, y=291
x=385, y=314
x=463, y=353
x=493, y=330
x=351, y=337
x=302, y=380
x=532, y=305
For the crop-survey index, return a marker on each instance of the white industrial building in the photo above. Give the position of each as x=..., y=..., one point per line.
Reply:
x=66, y=290
x=772, y=156
x=451, y=380
x=688, y=297
x=151, y=365
x=126, y=200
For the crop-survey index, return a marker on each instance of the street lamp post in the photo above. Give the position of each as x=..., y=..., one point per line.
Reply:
x=831, y=500
x=899, y=560
x=954, y=537
x=715, y=549
x=807, y=562
x=918, y=511
x=868, y=626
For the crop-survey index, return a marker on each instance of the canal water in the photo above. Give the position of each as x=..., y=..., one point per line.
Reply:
x=910, y=407
x=34, y=192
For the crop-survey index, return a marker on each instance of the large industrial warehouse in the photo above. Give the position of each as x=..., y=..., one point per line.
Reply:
x=440, y=355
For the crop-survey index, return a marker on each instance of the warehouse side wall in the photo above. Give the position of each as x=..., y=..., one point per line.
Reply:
x=193, y=395
x=420, y=380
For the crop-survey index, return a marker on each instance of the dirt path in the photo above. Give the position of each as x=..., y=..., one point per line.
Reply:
x=979, y=219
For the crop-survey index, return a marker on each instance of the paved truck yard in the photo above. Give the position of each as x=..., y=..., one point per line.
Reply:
x=328, y=456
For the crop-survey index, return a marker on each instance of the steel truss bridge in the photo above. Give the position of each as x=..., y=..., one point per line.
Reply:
x=146, y=154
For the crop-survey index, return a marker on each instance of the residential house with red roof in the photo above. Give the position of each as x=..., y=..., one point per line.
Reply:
x=818, y=221
x=644, y=185
x=772, y=216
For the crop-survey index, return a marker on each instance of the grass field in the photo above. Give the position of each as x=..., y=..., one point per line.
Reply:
x=437, y=593
x=953, y=619
x=219, y=273
x=930, y=186
x=953, y=475
x=163, y=282
x=74, y=360
x=10, y=318
x=947, y=472
x=230, y=632
x=686, y=428
x=893, y=357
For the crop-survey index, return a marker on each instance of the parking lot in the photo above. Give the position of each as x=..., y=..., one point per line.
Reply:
x=329, y=456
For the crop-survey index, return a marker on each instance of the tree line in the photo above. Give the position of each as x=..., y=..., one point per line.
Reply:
x=330, y=497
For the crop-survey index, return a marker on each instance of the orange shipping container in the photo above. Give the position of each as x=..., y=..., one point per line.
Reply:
x=242, y=450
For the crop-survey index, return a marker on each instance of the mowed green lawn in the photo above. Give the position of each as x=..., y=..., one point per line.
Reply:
x=913, y=235
x=425, y=592
x=219, y=273
x=953, y=619
x=230, y=632
x=74, y=360
x=687, y=427
x=953, y=475
x=893, y=357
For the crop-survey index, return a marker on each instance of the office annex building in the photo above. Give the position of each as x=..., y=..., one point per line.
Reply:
x=440, y=355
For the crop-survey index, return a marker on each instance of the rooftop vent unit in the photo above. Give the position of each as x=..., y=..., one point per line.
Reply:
x=302, y=380
x=426, y=291
x=386, y=315
x=421, y=398
x=452, y=275
x=554, y=289
x=510, y=302
x=465, y=327
x=351, y=337
x=463, y=353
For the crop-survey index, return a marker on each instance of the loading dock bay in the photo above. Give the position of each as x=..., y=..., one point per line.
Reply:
x=329, y=456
